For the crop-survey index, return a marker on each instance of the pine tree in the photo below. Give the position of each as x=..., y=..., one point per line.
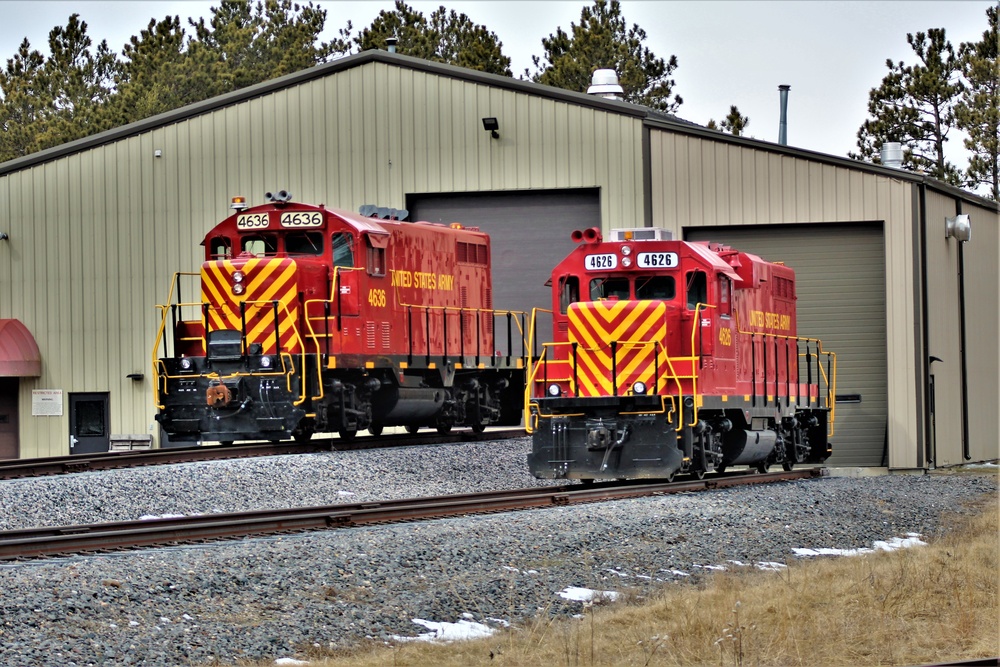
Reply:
x=25, y=105
x=603, y=41
x=915, y=105
x=978, y=110
x=734, y=123
x=448, y=37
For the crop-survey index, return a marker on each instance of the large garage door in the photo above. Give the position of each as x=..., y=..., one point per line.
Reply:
x=840, y=272
x=529, y=233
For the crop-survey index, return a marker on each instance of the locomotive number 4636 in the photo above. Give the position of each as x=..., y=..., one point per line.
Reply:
x=376, y=298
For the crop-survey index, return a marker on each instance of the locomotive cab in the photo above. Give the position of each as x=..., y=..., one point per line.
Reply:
x=670, y=356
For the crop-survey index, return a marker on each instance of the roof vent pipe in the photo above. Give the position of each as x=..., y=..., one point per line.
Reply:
x=892, y=155
x=390, y=44
x=783, y=122
x=605, y=84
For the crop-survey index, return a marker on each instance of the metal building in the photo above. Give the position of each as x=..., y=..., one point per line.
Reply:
x=91, y=231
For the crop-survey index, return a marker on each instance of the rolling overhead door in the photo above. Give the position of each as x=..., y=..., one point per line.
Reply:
x=840, y=275
x=529, y=234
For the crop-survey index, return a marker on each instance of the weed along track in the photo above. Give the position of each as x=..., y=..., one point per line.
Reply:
x=61, y=465
x=65, y=540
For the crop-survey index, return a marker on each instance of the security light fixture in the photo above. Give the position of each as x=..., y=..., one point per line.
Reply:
x=492, y=126
x=3, y=236
x=134, y=377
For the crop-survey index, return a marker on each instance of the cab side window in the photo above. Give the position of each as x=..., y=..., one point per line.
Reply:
x=725, y=304
x=570, y=292
x=221, y=247
x=376, y=260
x=697, y=289
x=343, y=249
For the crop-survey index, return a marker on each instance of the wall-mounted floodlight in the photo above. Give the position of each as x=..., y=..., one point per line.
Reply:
x=134, y=377
x=492, y=125
x=960, y=227
x=3, y=236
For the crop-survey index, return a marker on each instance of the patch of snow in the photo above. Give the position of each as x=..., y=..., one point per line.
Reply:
x=578, y=594
x=448, y=632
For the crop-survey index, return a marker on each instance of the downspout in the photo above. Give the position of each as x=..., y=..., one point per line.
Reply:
x=961, y=342
x=930, y=443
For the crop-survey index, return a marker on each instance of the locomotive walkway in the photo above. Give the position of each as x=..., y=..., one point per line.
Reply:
x=66, y=540
x=60, y=465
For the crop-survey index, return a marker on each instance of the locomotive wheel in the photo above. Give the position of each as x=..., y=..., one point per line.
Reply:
x=412, y=430
x=375, y=429
x=225, y=443
x=763, y=466
x=787, y=465
x=302, y=434
x=699, y=474
x=478, y=428
x=348, y=433
x=444, y=428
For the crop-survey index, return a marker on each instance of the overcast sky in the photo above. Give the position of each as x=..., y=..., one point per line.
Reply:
x=830, y=53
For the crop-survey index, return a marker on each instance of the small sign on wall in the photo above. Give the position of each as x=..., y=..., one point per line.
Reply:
x=46, y=402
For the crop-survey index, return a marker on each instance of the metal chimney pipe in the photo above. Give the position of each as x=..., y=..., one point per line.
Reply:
x=783, y=123
x=390, y=43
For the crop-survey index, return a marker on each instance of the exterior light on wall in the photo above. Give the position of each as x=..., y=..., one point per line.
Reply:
x=3, y=236
x=135, y=377
x=960, y=227
x=492, y=125
x=157, y=153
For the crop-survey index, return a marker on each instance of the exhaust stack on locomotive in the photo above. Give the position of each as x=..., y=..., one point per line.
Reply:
x=319, y=320
x=674, y=357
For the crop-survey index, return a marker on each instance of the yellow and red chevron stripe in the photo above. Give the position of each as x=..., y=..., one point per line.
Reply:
x=636, y=326
x=264, y=281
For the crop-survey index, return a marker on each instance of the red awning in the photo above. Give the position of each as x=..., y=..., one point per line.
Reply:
x=19, y=355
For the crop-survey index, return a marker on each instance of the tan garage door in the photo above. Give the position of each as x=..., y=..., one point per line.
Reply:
x=840, y=275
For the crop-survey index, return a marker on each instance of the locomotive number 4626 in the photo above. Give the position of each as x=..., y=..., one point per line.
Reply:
x=657, y=260
x=603, y=262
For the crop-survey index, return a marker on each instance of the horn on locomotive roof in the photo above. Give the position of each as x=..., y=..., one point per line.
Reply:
x=590, y=235
x=279, y=196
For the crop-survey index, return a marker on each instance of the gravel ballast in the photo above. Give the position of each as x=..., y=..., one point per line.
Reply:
x=287, y=596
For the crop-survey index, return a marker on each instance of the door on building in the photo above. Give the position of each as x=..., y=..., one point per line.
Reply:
x=9, y=444
x=89, y=419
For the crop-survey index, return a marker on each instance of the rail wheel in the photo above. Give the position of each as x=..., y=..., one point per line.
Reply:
x=763, y=466
x=225, y=443
x=412, y=430
x=478, y=428
x=444, y=428
x=375, y=429
x=787, y=465
x=347, y=433
x=302, y=434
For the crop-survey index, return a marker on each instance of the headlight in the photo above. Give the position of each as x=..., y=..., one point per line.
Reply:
x=554, y=390
x=639, y=388
x=626, y=250
x=265, y=362
x=237, y=288
x=186, y=364
x=238, y=277
x=626, y=262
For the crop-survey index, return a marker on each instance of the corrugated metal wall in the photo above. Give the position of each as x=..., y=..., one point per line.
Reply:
x=700, y=182
x=96, y=235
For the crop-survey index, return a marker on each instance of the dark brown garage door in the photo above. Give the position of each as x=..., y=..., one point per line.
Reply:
x=840, y=275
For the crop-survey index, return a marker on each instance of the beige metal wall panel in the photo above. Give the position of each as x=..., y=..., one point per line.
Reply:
x=943, y=331
x=96, y=235
x=700, y=182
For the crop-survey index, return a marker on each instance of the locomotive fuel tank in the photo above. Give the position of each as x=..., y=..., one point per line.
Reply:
x=747, y=448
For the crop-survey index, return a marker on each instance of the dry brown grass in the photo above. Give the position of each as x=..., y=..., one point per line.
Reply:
x=907, y=607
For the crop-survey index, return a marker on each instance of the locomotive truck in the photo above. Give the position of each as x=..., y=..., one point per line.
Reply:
x=674, y=357
x=312, y=319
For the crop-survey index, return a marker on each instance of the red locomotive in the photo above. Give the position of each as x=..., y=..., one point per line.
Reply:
x=674, y=357
x=319, y=320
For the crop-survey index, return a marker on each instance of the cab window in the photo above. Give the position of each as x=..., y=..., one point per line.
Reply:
x=221, y=247
x=376, y=261
x=609, y=288
x=655, y=287
x=304, y=243
x=697, y=291
x=259, y=245
x=343, y=249
x=570, y=292
x=725, y=296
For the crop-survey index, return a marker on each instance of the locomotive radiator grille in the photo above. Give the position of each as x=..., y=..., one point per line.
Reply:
x=263, y=281
x=638, y=330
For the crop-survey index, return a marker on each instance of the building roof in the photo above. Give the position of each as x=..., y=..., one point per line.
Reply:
x=651, y=118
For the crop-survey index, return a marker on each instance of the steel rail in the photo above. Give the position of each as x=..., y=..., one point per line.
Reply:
x=62, y=540
x=60, y=465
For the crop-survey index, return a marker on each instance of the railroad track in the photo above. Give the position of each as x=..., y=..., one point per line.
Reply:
x=61, y=465
x=65, y=540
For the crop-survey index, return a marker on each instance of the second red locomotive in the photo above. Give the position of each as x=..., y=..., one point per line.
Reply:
x=674, y=357
x=320, y=320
